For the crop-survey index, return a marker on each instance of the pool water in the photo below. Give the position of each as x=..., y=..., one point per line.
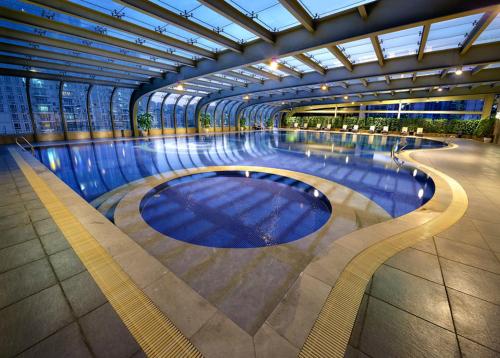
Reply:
x=256, y=209
x=360, y=162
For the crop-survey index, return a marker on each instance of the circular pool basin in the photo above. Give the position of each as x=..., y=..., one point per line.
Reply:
x=235, y=209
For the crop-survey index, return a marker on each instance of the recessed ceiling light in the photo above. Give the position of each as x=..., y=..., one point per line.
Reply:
x=324, y=87
x=273, y=64
x=459, y=72
x=346, y=97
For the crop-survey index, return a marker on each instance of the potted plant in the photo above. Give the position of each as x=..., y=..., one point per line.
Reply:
x=243, y=122
x=485, y=129
x=205, y=122
x=269, y=123
x=144, y=121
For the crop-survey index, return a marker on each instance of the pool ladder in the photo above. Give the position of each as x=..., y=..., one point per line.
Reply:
x=394, y=154
x=32, y=149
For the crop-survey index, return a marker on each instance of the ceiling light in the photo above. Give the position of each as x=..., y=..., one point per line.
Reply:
x=179, y=87
x=282, y=102
x=459, y=72
x=273, y=64
x=440, y=89
x=324, y=87
x=353, y=102
x=345, y=97
x=246, y=97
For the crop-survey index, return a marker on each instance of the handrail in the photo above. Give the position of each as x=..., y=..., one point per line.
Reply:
x=32, y=149
x=394, y=151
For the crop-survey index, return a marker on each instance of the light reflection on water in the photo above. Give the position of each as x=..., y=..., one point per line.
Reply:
x=360, y=162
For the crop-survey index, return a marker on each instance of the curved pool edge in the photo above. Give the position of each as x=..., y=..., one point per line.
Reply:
x=353, y=259
x=127, y=215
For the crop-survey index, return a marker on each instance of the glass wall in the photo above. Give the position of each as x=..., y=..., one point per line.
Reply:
x=218, y=112
x=168, y=110
x=233, y=113
x=211, y=112
x=44, y=95
x=74, y=101
x=191, y=112
x=142, y=104
x=14, y=113
x=155, y=108
x=100, y=105
x=120, y=106
x=180, y=111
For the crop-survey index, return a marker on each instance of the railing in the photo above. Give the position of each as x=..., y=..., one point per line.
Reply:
x=394, y=154
x=32, y=149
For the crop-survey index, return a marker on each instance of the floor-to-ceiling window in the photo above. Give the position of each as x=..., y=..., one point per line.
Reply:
x=44, y=96
x=74, y=101
x=100, y=106
x=120, y=105
x=155, y=108
x=191, y=112
x=14, y=113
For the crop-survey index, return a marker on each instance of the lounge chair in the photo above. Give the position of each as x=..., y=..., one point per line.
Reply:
x=295, y=125
x=404, y=131
x=328, y=127
x=385, y=130
x=372, y=129
x=420, y=132
x=355, y=129
x=318, y=126
x=305, y=125
x=344, y=128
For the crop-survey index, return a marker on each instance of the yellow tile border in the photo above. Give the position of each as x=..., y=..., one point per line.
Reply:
x=331, y=332
x=155, y=333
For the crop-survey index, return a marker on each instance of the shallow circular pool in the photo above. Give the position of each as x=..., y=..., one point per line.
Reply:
x=235, y=209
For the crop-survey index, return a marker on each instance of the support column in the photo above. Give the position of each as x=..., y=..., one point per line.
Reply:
x=61, y=111
x=89, y=121
x=111, y=111
x=30, y=109
x=496, y=131
x=488, y=105
x=399, y=110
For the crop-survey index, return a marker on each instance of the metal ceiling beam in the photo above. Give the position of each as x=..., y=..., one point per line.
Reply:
x=233, y=14
x=48, y=41
x=343, y=84
x=478, y=68
x=414, y=76
x=387, y=79
x=75, y=59
x=385, y=16
x=423, y=41
x=377, y=49
x=437, y=60
x=335, y=51
x=51, y=25
x=207, y=83
x=262, y=73
x=480, y=26
x=242, y=76
x=198, y=88
x=444, y=72
x=310, y=63
x=364, y=82
x=362, y=12
x=100, y=18
x=227, y=80
x=47, y=76
x=67, y=68
x=159, y=12
x=492, y=75
x=298, y=11
x=294, y=73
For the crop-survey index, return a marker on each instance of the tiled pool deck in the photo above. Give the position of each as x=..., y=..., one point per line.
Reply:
x=439, y=298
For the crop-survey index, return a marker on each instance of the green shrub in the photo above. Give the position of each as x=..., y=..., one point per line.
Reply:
x=205, y=120
x=485, y=127
x=145, y=121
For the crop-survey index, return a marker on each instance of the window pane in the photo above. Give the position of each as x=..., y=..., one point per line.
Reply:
x=155, y=108
x=210, y=112
x=100, y=98
x=191, y=119
x=142, y=104
x=45, y=104
x=180, y=111
x=121, y=100
x=74, y=99
x=168, y=110
x=14, y=113
x=218, y=113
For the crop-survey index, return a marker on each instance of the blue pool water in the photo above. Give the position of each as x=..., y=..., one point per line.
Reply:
x=257, y=209
x=360, y=162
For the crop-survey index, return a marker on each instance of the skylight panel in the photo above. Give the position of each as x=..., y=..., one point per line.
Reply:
x=491, y=34
x=321, y=8
x=451, y=33
x=359, y=51
x=401, y=43
x=295, y=64
x=325, y=58
x=269, y=13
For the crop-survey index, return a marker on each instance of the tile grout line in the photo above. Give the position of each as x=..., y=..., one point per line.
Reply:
x=154, y=332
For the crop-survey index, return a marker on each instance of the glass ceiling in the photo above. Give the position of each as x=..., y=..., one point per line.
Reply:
x=321, y=8
x=451, y=33
x=491, y=34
